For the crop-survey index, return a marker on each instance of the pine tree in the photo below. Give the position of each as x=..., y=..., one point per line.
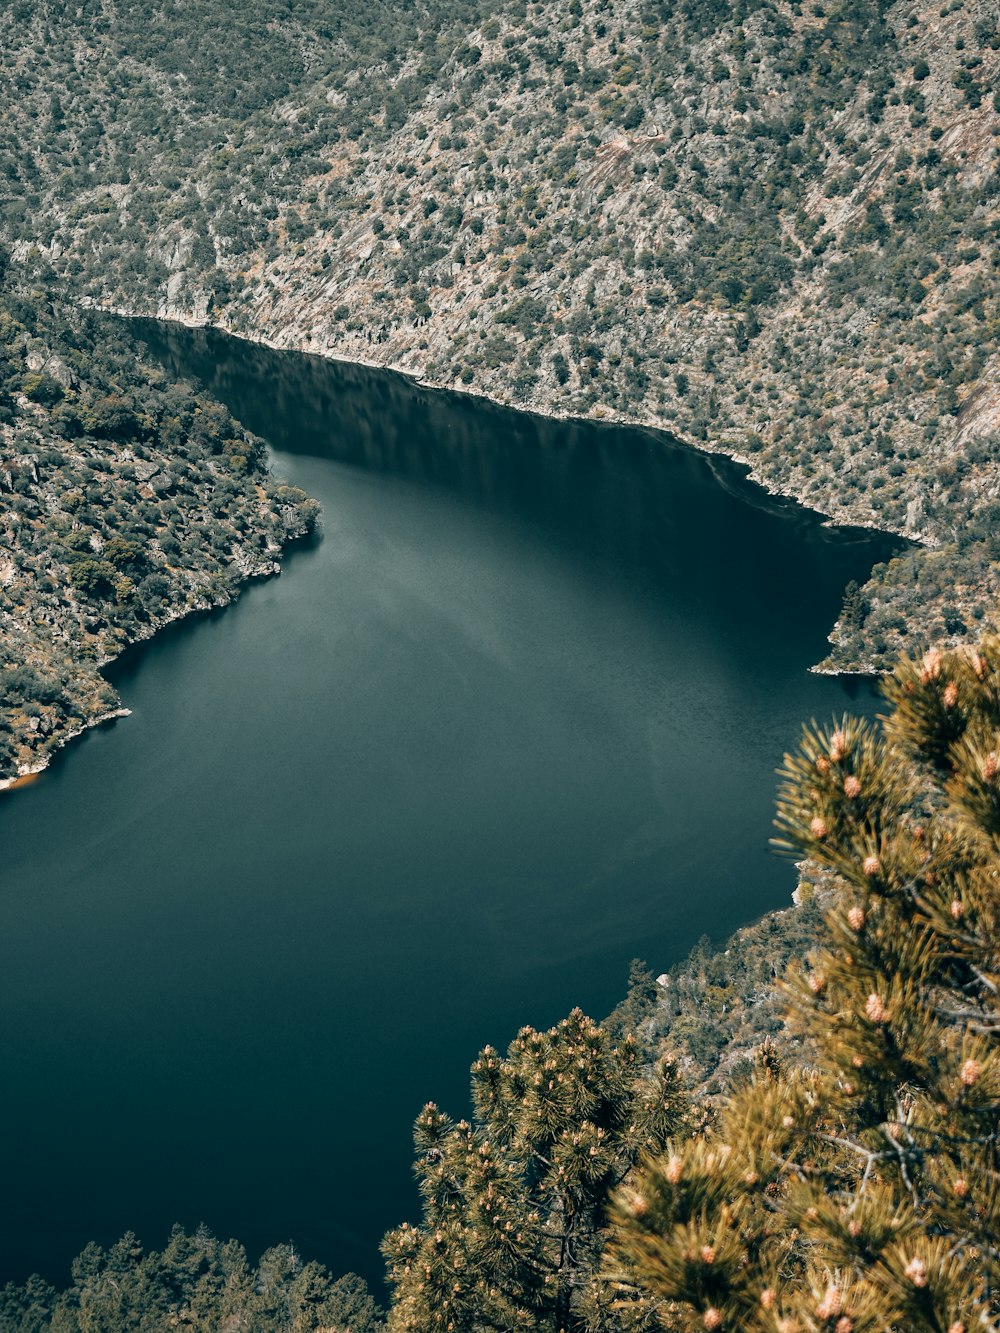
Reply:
x=196, y=1282
x=861, y=1193
x=514, y=1202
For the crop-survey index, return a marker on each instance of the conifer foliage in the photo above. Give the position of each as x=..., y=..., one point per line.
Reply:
x=861, y=1193
x=195, y=1282
x=514, y=1202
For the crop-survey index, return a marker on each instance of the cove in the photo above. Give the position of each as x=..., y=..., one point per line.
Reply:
x=512, y=721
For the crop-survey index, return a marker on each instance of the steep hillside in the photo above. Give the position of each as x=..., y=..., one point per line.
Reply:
x=768, y=227
x=125, y=502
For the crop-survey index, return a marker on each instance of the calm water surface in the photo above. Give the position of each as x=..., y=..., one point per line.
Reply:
x=510, y=723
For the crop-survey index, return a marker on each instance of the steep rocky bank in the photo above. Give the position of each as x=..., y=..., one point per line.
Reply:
x=127, y=503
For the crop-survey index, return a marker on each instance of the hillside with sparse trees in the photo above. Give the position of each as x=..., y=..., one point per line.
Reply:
x=768, y=227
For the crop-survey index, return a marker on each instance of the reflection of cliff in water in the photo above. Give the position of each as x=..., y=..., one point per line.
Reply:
x=623, y=493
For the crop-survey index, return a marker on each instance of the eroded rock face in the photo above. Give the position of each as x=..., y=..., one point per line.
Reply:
x=46, y=362
x=770, y=231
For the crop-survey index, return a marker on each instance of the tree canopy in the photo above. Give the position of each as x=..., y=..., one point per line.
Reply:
x=514, y=1200
x=860, y=1193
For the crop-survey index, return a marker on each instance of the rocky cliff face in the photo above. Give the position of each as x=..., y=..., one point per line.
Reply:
x=769, y=228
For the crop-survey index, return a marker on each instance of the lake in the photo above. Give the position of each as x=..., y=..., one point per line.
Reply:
x=510, y=722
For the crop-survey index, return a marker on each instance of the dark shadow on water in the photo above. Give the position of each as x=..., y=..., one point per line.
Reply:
x=867, y=689
x=387, y=423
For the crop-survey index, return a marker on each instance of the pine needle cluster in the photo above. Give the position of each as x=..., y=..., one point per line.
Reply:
x=862, y=1196
x=514, y=1201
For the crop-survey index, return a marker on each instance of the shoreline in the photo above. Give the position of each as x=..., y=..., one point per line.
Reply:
x=606, y=417
x=28, y=775
x=270, y=569
x=859, y=669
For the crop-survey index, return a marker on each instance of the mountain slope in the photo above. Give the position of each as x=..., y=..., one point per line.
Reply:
x=767, y=227
x=126, y=501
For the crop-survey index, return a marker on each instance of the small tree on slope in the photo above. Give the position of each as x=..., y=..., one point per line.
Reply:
x=514, y=1203
x=863, y=1194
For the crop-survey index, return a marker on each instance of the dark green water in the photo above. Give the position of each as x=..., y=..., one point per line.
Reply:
x=513, y=721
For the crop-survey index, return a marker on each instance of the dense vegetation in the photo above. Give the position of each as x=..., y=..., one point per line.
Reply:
x=514, y=1202
x=127, y=501
x=769, y=225
x=195, y=1282
x=860, y=1193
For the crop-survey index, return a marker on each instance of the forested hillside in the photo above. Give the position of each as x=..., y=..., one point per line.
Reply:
x=126, y=501
x=770, y=227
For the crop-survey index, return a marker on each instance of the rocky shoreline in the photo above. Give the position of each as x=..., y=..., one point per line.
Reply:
x=28, y=775
x=128, y=502
x=32, y=767
x=860, y=667
x=29, y=771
